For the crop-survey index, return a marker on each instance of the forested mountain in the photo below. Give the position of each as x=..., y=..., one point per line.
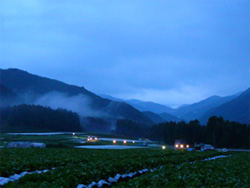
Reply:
x=154, y=117
x=197, y=110
x=237, y=109
x=193, y=111
x=7, y=96
x=32, y=87
x=168, y=117
x=19, y=87
x=154, y=111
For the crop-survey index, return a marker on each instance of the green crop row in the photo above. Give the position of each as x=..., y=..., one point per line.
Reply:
x=18, y=160
x=84, y=166
x=232, y=171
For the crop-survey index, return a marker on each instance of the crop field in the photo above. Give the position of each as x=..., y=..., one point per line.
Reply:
x=72, y=167
x=60, y=140
x=233, y=171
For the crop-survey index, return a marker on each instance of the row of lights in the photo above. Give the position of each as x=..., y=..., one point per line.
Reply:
x=177, y=146
x=89, y=139
x=181, y=146
x=124, y=141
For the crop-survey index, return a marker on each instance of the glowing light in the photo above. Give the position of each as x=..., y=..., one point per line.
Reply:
x=114, y=141
x=124, y=141
x=95, y=138
x=73, y=134
x=182, y=146
x=163, y=147
x=176, y=145
x=187, y=146
x=88, y=139
x=133, y=142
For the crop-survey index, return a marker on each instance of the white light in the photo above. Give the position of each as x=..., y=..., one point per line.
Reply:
x=182, y=146
x=73, y=134
x=87, y=139
x=124, y=141
x=114, y=141
x=187, y=146
x=95, y=138
x=176, y=145
x=133, y=142
x=163, y=147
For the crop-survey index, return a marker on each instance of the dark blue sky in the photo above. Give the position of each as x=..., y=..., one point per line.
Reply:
x=171, y=52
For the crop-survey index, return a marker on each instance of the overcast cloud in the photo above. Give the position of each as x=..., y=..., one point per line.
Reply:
x=171, y=52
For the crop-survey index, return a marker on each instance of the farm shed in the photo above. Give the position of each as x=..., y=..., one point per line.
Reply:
x=181, y=144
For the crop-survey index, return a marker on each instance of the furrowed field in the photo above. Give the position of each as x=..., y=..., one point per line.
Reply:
x=72, y=167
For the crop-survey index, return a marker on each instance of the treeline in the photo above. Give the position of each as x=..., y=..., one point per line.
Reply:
x=132, y=129
x=39, y=118
x=218, y=132
x=94, y=124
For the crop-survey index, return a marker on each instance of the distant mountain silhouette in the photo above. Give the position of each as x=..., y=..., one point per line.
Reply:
x=149, y=106
x=143, y=105
x=25, y=84
x=111, y=98
x=197, y=110
x=237, y=109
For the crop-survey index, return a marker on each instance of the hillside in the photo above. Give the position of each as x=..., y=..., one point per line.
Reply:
x=197, y=110
x=154, y=117
x=168, y=117
x=143, y=106
x=237, y=109
x=149, y=106
x=7, y=96
x=36, y=89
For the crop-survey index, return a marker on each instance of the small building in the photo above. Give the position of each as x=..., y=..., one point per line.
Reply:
x=198, y=146
x=26, y=145
x=180, y=144
x=207, y=147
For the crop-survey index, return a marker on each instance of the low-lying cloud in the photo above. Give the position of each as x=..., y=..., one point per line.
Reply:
x=80, y=104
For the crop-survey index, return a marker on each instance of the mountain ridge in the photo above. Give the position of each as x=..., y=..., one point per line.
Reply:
x=198, y=109
x=22, y=82
x=143, y=105
x=238, y=109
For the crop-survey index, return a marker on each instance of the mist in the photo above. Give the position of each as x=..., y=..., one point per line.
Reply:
x=80, y=104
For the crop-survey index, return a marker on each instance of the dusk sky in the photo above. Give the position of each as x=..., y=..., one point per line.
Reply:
x=170, y=52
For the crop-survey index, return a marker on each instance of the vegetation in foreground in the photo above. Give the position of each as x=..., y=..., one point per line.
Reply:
x=225, y=172
x=79, y=166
